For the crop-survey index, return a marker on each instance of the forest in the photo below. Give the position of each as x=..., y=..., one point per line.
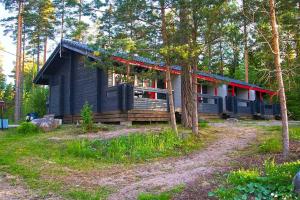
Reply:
x=231, y=38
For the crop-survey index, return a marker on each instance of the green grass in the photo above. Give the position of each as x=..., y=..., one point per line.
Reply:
x=43, y=162
x=136, y=147
x=79, y=194
x=295, y=133
x=161, y=196
x=32, y=156
x=271, y=140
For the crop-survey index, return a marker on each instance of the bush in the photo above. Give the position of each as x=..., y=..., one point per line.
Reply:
x=87, y=117
x=274, y=182
x=35, y=101
x=27, y=128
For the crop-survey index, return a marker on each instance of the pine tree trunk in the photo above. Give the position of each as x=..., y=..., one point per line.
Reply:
x=45, y=49
x=246, y=56
x=195, y=125
x=282, y=97
x=38, y=54
x=168, y=73
x=186, y=76
x=18, y=97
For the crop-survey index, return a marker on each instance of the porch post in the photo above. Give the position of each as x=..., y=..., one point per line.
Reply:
x=248, y=94
x=271, y=98
x=216, y=90
x=232, y=91
x=260, y=96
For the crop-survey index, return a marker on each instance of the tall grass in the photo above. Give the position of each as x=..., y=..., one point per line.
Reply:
x=295, y=133
x=135, y=147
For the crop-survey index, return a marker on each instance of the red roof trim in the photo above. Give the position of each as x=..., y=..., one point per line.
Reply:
x=157, y=67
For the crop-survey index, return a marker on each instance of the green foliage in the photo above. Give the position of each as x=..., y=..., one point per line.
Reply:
x=162, y=196
x=242, y=176
x=27, y=128
x=35, y=101
x=135, y=147
x=274, y=182
x=87, y=117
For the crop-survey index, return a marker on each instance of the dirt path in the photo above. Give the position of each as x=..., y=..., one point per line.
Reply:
x=12, y=188
x=165, y=174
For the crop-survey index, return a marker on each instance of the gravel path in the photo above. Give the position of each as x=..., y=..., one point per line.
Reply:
x=165, y=174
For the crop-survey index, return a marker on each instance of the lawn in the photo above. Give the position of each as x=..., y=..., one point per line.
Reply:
x=42, y=161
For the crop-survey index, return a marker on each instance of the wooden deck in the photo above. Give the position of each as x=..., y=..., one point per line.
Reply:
x=129, y=116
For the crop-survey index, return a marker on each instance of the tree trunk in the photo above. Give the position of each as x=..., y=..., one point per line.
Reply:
x=282, y=97
x=18, y=97
x=246, y=56
x=45, y=50
x=62, y=26
x=168, y=73
x=186, y=76
x=195, y=126
x=38, y=54
x=80, y=10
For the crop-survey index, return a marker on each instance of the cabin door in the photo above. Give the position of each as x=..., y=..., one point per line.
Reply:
x=56, y=100
x=61, y=96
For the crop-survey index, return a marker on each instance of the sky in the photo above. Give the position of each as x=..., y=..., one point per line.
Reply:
x=7, y=55
x=8, y=45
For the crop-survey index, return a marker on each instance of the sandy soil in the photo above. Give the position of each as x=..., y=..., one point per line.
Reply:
x=165, y=174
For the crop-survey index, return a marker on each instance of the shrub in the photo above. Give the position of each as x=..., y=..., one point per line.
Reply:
x=27, y=128
x=242, y=176
x=274, y=182
x=87, y=117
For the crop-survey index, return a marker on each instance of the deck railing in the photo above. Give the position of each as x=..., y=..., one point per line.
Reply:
x=239, y=106
x=244, y=106
x=210, y=104
x=150, y=99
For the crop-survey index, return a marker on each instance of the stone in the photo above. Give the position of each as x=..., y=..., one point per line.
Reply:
x=232, y=120
x=47, y=123
x=296, y=183
x=126, y=123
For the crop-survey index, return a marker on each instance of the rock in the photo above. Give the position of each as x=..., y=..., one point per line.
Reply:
x=232, y=120
x=296, y=183
x=47, y=123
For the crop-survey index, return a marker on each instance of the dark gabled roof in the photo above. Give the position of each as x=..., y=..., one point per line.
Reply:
x=85, y=49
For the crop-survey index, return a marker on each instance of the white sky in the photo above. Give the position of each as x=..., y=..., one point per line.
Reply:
x=8, y=45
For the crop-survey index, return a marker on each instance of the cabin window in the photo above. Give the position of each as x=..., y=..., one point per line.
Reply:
x=115, y=79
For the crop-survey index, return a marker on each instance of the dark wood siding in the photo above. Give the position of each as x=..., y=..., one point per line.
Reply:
x=59, y=87
x=84, y=84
